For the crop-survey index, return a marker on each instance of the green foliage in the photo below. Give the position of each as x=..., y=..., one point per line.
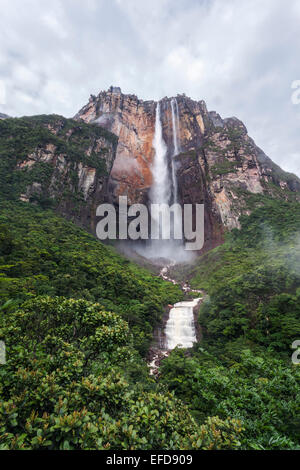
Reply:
x=65, y=386
x=224, y=167
x=45, y=255
x=20, y=138
x=249, y=320
x=252, y=280
x=218, y=434
x=262, y=393
x=77, y=319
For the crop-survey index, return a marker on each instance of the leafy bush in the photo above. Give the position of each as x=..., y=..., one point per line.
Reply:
x=252, y=280
x=45, y=255
x=262, y=393
x=64, y=386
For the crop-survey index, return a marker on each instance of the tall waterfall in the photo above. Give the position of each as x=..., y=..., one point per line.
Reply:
x=161, y=187
x=180, y=328
x=161, y=190
x=175, y=126
x=164, y=190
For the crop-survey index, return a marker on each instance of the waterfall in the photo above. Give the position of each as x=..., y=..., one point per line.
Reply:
x=162, y=187
x=175, y=126
x=176, y=151
x=164, y=190
x=161, y=190
x=180, y=328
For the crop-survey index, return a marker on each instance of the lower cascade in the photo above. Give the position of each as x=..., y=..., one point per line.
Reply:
x=180, y=331
x=180, y=328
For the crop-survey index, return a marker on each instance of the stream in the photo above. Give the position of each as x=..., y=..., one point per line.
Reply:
x=180, y=329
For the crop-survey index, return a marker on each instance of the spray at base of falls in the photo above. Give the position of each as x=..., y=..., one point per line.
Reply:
x=164, y=190
x=160, y=192
x=180, y=327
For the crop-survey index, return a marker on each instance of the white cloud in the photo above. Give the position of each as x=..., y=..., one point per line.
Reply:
x=241, y=56
x=183, y=62
x=2, y=93
x=52, y=22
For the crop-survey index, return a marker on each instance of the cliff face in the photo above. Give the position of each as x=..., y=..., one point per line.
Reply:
x=73, y=165
x=58, y=163
x=218, y=164
x=133, y=122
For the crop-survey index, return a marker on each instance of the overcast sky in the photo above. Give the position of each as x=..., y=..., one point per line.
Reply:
x=240, y=56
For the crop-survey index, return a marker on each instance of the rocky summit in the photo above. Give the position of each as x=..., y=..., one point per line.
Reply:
x=107, y=151
x=218, y=163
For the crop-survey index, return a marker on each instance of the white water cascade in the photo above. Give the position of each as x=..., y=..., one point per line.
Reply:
x=164, y=190
x=161, y=190
x=175, y=125
x=180, y=328
x=176, y=151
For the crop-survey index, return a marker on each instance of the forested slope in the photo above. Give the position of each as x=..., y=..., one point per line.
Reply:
x=243, y=367
x=77, y=319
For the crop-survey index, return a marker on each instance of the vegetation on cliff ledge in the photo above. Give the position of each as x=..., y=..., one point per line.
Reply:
x=22, y=139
